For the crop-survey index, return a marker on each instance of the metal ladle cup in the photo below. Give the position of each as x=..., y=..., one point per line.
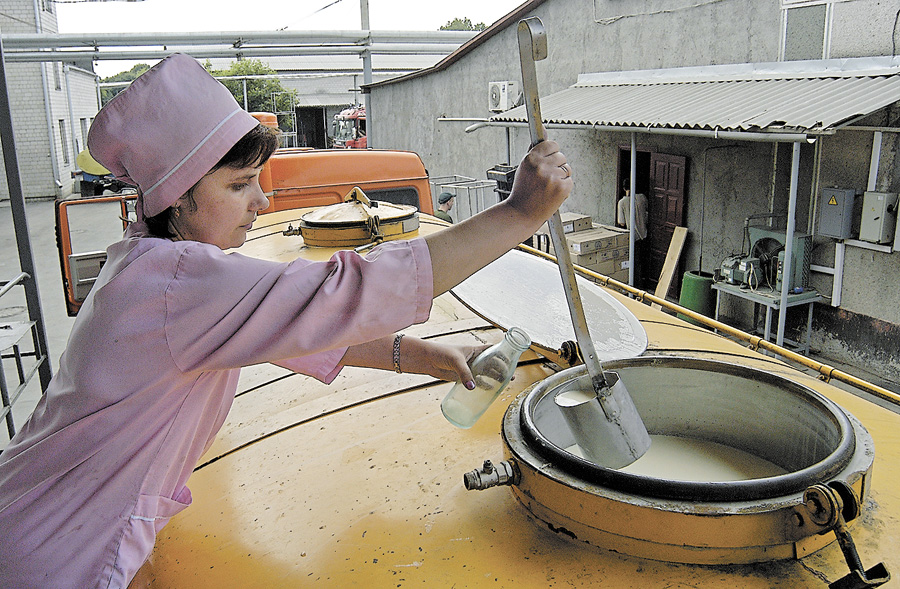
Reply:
x=587, y=419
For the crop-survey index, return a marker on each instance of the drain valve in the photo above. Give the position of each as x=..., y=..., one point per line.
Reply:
x=504, y=473
x=832, y=505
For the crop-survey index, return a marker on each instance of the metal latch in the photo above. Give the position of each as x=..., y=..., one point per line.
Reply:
x=832, y=506
x=373, y=222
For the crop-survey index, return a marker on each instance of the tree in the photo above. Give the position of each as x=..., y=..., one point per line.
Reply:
x=107, y=94
x=463, y=24
x=263, y=94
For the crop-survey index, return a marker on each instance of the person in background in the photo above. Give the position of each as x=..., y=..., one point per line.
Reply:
x=623, y=217
x=152, y=363
x=445, y=203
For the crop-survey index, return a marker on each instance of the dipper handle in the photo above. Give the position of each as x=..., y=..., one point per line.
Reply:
x=532, y=48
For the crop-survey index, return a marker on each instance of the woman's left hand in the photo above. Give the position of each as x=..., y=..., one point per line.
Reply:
x=448, y=362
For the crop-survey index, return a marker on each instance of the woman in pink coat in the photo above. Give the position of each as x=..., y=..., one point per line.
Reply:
x=152, y=363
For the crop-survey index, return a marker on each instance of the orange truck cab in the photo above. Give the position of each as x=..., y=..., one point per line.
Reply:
x=300, y=177
x=303, y=177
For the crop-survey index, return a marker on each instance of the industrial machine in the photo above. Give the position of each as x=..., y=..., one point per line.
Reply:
x=769, y=246
x=762, y=264
x=363, y=483
x=742, y=270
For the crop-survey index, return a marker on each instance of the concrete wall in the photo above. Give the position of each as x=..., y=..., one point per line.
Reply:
x=603, y=35
x=865, y=330
x=727, y=181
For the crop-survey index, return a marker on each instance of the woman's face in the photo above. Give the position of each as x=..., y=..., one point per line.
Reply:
x=225, y=204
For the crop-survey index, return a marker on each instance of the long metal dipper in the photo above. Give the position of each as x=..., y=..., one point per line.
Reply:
x=619, y=436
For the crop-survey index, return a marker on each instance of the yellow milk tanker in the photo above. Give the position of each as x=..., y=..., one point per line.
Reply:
x=760, y=474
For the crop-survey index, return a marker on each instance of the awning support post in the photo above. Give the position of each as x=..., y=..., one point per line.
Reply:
x=789, y=242
x=632, y=179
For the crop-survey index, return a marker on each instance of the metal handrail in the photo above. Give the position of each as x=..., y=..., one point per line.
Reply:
x=7, y=285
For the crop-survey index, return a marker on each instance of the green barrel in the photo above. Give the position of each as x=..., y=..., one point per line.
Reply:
x=697, y=294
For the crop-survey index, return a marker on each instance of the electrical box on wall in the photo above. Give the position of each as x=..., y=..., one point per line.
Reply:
x=839, y=213
x=879, y=217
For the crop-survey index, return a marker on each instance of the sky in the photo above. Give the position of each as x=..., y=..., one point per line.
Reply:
x=80, y=16
x=265, y=15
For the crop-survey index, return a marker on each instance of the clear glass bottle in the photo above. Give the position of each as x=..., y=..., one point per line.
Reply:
x=492, y=369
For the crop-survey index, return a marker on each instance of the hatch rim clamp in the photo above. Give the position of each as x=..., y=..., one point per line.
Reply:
x=832, y=505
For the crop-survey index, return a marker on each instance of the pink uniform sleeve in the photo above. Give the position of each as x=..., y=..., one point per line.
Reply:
x=228, y=310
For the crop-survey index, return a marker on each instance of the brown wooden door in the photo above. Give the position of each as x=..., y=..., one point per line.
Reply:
x=666, y=208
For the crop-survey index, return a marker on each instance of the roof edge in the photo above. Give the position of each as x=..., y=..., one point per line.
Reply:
x=816, y=68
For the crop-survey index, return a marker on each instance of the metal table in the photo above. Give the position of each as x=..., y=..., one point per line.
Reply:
x=771, y=299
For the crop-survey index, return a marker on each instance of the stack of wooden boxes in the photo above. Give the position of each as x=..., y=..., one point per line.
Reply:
x=600, y=248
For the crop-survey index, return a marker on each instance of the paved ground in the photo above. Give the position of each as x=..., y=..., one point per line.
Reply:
x=41, y=224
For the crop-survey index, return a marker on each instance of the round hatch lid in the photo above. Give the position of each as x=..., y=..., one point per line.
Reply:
x=526, y=291
x=356, y=223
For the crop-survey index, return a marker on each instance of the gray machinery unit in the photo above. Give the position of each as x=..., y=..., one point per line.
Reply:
x=763, y=265
x=742, y=270
x=769, y=244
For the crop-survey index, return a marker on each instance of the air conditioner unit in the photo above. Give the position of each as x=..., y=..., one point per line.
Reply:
x=501, y=96
x=768, y=245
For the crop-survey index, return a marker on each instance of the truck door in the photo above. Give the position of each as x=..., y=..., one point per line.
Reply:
x=84, y=229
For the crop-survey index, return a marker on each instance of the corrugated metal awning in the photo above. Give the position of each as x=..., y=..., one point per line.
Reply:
x=808, y=97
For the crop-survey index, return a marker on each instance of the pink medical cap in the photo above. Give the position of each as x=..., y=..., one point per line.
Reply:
x=167, y=130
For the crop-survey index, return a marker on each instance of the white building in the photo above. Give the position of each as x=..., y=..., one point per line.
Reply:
x=52, y=107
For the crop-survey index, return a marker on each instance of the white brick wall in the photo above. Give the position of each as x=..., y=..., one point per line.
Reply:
x=29, y=110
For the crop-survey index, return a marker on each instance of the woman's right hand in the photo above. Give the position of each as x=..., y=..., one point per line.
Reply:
x=543, y=181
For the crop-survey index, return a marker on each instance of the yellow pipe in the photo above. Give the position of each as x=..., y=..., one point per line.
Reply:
x=826, y=372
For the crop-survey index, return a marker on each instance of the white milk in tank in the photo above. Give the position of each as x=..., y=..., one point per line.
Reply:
x=686, y=459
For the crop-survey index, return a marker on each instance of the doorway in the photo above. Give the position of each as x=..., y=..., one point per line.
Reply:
x=311, y=129
x=662, y=178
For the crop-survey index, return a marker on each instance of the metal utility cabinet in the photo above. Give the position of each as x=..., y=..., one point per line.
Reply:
x=837, y=214
x=879, y=217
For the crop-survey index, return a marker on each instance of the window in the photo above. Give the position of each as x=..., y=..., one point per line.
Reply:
x=401, y=195
x=805, y=29
x=65, y=141
x=84, y=131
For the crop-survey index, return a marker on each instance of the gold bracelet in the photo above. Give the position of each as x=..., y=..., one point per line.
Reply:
x=397, y=339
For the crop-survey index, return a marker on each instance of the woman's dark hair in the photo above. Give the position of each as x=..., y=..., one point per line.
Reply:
x=253, y=149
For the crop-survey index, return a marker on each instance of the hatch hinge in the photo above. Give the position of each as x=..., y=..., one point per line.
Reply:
x=832, y=506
